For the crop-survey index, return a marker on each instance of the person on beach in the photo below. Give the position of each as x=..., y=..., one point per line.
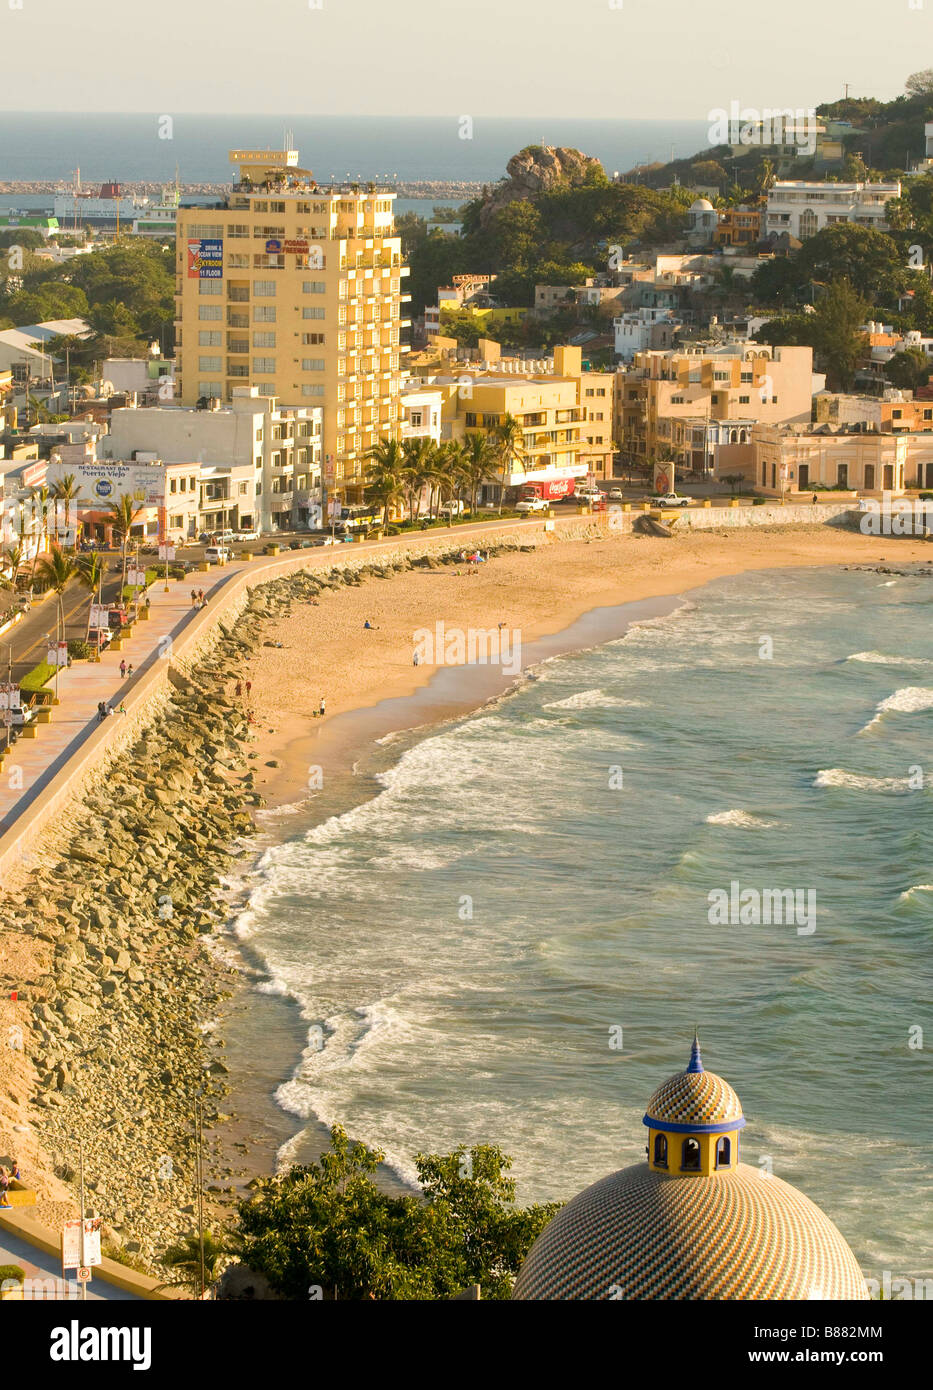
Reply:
x=194, y=597
x=249, y=686
x=4, y=1198
x=16, y=1171
x=123, y=669
x=4, y=1179
x=239, y=689
x=321, y=711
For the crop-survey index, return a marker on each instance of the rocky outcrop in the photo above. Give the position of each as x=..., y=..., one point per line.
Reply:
x=539, y=169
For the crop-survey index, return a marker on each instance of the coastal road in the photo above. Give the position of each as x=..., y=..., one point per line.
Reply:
x=46, y=1270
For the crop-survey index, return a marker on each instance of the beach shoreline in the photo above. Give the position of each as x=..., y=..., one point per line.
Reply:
x=416, y=701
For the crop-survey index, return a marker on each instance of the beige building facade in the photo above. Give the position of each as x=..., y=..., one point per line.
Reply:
x=296, y=290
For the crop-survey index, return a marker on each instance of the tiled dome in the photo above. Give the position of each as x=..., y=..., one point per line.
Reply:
x=695, y=1099
x=740, y=1234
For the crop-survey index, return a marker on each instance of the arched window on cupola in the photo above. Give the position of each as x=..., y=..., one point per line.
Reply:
x=690, y=1156
x=723, y=1152
x=660, y=1150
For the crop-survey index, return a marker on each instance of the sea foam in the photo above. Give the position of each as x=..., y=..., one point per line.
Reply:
x=856, y=781
x=908, y=700
x=740, y=820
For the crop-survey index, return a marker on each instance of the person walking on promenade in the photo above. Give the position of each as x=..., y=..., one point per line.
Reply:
x=122, y=707
x=123, y=669
x=200, y=598
x=129, y=669
x=101, y=711
x=148, y=603
x=194, y=597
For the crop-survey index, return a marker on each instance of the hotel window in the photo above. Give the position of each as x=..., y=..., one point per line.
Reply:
x=209, y=364
x=210, y=338
x=312, y=313
x=238, y=230
x=276, y=207
x=260, y=205
x=744, y=400
x=265, y=289
x=312, y=339
x=209, y=230
x=265, y=388
x=264, y=364
x=173, y=485
x=263, y=340
x=312, y=364
x=210, y=388
x=210, y=312
x=237, y=262
x=314, y=286
x=264, y=313
x=208, y=287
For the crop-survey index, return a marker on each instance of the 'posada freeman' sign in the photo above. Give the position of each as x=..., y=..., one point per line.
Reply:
x=103, y=484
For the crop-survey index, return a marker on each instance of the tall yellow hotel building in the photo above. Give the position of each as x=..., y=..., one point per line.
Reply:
x=296, y=290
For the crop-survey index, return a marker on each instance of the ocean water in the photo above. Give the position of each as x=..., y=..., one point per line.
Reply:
x=466, y=943
x=35, y=145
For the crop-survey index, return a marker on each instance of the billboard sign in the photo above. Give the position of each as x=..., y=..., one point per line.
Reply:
x=166, y=552
x=296, y=247
x=73, y=1256
x=57, y=654
x=206, y=258
x=10, y=695
x=273, y=246
x=100, y=615
x=663, y=474
x=104, y=483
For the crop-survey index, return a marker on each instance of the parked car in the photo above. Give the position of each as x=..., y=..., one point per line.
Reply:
x=670, y=499
x=247, y=536
x=616, y=494
x=217, y=555
x=533, y=504
x=452, y=508
x=22, y=715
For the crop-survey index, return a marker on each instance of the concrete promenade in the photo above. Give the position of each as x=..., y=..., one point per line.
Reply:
x=41, y=774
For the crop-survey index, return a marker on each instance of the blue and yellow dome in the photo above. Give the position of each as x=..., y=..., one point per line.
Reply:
x=695, y=1101
x=693, y=1222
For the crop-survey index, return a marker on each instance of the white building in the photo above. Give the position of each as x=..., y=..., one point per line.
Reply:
x=22, y=349
x=643, y=329
x=803, y=209
x=420, y=413
x=280, y=447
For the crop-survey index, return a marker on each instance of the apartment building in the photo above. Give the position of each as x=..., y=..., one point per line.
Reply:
x=896, y=412
x=465, y=289
x=566, y=420
x=280, y=449
x=420, y=409
x=696, y=401
x=803, y=208
x=640, y=330
x=740, y=226
x=296, y=290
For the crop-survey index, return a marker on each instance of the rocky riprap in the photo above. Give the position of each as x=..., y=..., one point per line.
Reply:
x=122, y=901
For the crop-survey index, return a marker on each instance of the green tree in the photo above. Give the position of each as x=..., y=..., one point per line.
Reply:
x=328, y=1225
x=908, y=369
x=123, y=515
x=385, y=478
x=58, y=570
x=185, y=1258
x=90, y=570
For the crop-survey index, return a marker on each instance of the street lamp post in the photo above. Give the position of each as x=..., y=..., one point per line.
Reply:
x=199, y=1146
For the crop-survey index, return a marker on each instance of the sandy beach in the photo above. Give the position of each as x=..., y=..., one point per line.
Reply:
x=326, y=650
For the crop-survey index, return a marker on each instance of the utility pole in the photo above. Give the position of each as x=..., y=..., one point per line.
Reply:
x=198, y=1114
x=81, y=1170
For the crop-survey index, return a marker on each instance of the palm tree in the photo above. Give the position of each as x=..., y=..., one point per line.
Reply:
x=89, y=571
x=509, y=446
x=59, y=569
x=385, y=478
x=66, y=490
x=416, y=474
x=185, y=1258
x=12, y=559
x=123, y=516
x=39, y=498
x=478, y=460
x=452, y=472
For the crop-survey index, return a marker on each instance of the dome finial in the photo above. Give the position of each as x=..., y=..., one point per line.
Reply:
x=696, y=1061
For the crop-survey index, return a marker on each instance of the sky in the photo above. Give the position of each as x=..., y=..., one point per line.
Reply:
x=648, y=59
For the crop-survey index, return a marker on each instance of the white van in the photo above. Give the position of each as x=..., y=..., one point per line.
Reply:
x=217, y=555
